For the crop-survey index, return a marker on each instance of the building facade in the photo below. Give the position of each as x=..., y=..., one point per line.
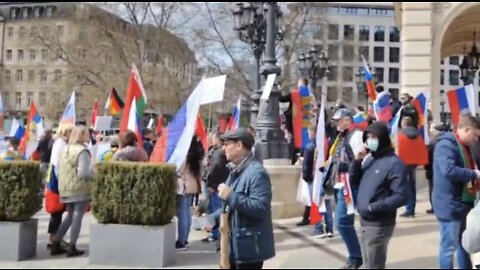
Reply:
x=50, y=49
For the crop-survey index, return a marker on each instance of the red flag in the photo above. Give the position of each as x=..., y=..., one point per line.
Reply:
x=315, y=216
x=201, y=133
x=135, y=91
x=159, y=128
x=93, y=119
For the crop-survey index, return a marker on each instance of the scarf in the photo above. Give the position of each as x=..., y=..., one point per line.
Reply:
x=468, y=159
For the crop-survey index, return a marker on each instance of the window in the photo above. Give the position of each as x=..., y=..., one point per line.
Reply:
x=8, y=76
x=348, y=74
x=38, y=11
x=379, y=34
x=332, y=93
x=442, y=77
x=332, y=73
x=333, y=31
x=60, y=30
x=33, y=31
x=454, y=60
x=29, y=98
x=442, y=62
x=20, y=54
x=393, y=75
x=6, y=96
x=10, y=31
x=394, y=34
x=378, y=54
x=49, y=11
x=81, y=35
x=58, y=75
x=394, y=55
x=363, y=50
x=43, y=76
x=333, y=52
x=394, y=93
x=454, y=76
x=9, y=54
x=317, y=31
x=42, y=99
x=19, y=76
x=347, y=94
x=348, y=53
x=32, y=54
x=379, y=75
x=31, y=75
x=26, y=12
x=18, y=99
x=348, y=32
x=45, y=31
x=44, y=54
x=21, y=32
x=364, y=32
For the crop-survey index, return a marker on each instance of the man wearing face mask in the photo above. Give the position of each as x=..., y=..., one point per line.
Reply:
x=341, y=155
x=454, y=174
x=382, y=188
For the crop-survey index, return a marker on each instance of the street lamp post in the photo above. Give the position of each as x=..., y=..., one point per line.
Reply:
x=313, y=66
x=251, y=26
x=272, y=139
x=361, y=86
x=443, y=115
x=470, y=63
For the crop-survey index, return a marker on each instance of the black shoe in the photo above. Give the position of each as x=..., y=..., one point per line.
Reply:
x=351, y=265
x=57, y=249
x=430, y=211
x=407, y=215
x=180, y=246
x=303, y=223
x=63, y=244
x=74, y=252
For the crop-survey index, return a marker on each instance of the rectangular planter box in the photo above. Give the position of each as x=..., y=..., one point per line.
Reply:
x=18, y=240
x=132, y=245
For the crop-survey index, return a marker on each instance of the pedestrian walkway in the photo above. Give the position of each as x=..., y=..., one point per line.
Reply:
x=414, y=245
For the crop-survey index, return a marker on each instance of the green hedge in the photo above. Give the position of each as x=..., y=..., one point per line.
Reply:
x=20, y=190
x=134, y=193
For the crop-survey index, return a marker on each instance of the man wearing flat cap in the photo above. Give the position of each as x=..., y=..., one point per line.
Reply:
x=341, y=155
x=247, y=197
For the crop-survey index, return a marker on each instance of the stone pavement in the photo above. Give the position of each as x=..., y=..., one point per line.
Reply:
x=414, y=245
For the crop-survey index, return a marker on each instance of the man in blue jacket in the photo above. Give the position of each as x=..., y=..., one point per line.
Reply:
x=382, y=188
x=247, y=197
x=454, y=169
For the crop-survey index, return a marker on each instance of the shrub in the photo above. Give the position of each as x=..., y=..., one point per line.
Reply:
x=134, y=193
x=20, y=190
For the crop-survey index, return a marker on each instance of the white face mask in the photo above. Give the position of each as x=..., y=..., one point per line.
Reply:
x=372, y=144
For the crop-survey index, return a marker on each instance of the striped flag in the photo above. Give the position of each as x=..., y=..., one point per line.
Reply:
x=420, y=104
x=134, y=123
x=461, y=99
x=135, y=91
x=368, y=77
x=33, y=131
x=235, y=118
x=114, y=103
x=382, y=107
x=93, y=118
x=318, y=201
x=69, y=117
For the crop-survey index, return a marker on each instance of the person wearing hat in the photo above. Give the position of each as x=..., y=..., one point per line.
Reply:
x=247, y=198
x=340, y=156
x=148, y=138
x=382, y=185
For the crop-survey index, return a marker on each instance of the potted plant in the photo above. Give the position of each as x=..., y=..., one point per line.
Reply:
x=20, y=200
x=134, y=204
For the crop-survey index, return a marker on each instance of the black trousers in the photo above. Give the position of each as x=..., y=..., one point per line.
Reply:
x=256, y=265
x=54, y=223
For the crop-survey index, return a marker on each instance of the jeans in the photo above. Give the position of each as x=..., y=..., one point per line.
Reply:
x=214, y=203
x=412, y=192
x=346, y=227
x=328, y=218
x=374, y=241
x=184, y=216
x=73, y=221
x=450, y=241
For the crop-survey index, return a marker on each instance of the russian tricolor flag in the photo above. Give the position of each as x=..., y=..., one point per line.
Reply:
x=235, y=118
x=17, y=130
x=460, y=99
x=370, y=84
x=68, y=117
x=32, y=134
x=382, y=107
x=420, y=104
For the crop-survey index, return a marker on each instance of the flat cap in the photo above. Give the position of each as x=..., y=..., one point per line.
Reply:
x=342, y=113
x=239, y=134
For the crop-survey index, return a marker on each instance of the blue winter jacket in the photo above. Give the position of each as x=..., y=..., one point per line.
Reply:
x=449, y=178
